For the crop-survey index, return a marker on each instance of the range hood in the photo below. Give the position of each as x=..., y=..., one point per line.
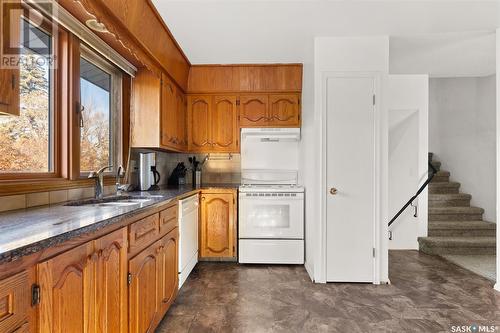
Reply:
x=271, y=134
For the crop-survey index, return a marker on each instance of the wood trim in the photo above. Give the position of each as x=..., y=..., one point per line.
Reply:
x=73, y=72
x=115, y=16
x=245, y=78
x=291, y=64
x=162, y=21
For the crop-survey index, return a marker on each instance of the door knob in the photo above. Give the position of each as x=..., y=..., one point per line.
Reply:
x=333, y=191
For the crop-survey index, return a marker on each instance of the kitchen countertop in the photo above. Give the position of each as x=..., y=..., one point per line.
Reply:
x=27, y=231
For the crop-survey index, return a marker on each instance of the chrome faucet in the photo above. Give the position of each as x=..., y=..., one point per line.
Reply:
x=99, y=181
x=120, y=172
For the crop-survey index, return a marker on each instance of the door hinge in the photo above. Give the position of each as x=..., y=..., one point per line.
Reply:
x=374, y=99
x=129, y=279
x=35, y=295
x=373, y=252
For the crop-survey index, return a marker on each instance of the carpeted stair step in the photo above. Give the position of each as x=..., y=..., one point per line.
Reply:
x=436, y=165
x=449, y=200
x=457, y=245
x=455, y=214
x=444, y=188
x=441, y=177
x=462, y=229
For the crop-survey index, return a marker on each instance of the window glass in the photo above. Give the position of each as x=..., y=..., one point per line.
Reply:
x=26, y=140
x=96, y=124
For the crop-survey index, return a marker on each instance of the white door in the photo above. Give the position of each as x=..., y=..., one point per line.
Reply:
x=350, y=172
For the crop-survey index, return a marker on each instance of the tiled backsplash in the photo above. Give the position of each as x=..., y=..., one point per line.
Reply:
x=21, y=201
x=219, y=169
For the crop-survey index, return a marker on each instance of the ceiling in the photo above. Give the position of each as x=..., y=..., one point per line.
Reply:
x=238, y=31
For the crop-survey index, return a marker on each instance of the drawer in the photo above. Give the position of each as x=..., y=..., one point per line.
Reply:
x=15, y=302
x=168, y=219
x=143, y=232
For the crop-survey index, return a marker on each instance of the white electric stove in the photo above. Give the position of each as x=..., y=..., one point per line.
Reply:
x=271, y=203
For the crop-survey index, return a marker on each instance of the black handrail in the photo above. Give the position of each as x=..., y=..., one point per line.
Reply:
x=433, y=172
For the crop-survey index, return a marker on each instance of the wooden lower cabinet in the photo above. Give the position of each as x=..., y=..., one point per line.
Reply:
x=111, y=287
x=67, y=283
x=84, y=289
x=218, y=224
x=143, y=289
x=168, y=273
x=15, y=303
x=153, y=283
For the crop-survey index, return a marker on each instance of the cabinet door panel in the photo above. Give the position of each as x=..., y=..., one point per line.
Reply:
x=144, y=127
x=284, y=110
x=111, y=282
x=181, y=119
x=14, y=301
x=199, y=123
x=217, y=225
x=254, y=111
x=169, y=124
x=68, y=287
x=143, y=290
x=168, y=272
x=225, y=124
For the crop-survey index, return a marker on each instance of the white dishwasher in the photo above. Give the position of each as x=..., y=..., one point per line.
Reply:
x=188, y=236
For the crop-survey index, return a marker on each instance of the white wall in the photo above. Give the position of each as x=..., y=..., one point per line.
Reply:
x=462, y=134
x=407, y=104
x=309, y=154
x=463, y=54
x=497, y=285
x=345, y=54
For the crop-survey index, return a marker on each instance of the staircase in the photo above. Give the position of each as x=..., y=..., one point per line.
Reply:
x=454, y=226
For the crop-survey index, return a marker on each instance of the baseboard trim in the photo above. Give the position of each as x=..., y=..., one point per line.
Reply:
x=309, y=271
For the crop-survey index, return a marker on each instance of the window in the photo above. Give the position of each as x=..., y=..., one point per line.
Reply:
x=100, y=122
x=27, y=141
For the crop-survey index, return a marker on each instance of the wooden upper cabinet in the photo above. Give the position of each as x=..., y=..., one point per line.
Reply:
x=15, y=300
x=145, y=118
x=168, y=277
x=182, y=120
x=254, y=110
x=168, y=114
x=199, y=123
x=9, y=77
x=143, y=290
x=218, y=225
x=68, y=287
x=284, y=110
x=111, y=274
x=213, y=123
x=225, y=131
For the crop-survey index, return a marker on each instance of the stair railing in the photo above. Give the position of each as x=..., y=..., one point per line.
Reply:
x=410, y=202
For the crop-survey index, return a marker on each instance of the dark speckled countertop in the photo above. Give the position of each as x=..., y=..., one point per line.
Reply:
x=27, y=231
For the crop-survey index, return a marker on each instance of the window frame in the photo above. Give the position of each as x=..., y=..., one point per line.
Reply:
x=116, y=108
x=54, y=111
x=66, y=47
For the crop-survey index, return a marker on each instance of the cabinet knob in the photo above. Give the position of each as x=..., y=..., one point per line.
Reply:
x=333, y=191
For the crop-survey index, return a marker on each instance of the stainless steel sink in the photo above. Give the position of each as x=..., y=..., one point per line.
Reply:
x=113, y=201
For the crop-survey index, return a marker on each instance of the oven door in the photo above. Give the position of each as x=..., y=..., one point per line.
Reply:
x=271, y=215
